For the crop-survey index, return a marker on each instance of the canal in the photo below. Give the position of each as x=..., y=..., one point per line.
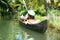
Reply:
x=11, y=30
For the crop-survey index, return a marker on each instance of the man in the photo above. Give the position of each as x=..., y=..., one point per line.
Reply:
x=29, y=15
x=30, y=18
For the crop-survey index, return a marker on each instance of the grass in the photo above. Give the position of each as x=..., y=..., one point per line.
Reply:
x=54, y=19
x=40, y=17
x=55, y=25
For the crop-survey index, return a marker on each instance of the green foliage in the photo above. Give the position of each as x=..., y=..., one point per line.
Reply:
x=58, y=12
x=17, y=5
x=55, y=12
x=52, y=18
x=38, y=12
x=52, y=15
x=24, y=12
x=43, y=12
x=39, y=17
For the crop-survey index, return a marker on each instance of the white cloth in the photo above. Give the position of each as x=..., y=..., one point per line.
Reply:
x=36, y=22
x=21, y=17
x=32, y=22
x=26, y=16
x=31, y=12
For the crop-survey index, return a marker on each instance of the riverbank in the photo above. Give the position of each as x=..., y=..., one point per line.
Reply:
x=54, y=25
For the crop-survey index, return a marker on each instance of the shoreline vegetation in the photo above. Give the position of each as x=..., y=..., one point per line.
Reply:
x=54, y=25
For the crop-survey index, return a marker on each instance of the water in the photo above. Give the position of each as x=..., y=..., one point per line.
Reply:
x=10, y=29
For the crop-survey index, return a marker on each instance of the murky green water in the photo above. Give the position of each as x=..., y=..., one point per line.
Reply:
x=10, y=28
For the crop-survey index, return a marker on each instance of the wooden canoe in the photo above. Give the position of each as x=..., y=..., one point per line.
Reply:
x=41, y=27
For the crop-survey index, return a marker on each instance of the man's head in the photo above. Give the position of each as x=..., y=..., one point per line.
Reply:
x=31, y=12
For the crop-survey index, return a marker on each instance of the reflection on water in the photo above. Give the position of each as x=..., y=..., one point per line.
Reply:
x=11, y=30
x=21, y=37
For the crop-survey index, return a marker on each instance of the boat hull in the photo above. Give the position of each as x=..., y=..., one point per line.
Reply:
x=41, y=27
